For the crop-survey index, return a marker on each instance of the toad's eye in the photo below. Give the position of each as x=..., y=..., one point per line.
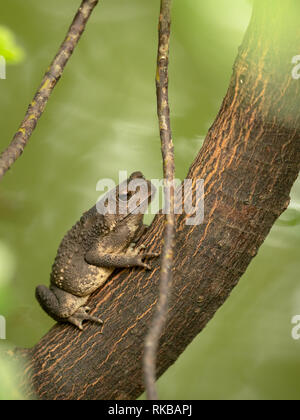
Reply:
x=123, y=197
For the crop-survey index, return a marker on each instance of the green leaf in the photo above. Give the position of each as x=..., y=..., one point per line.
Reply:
x=9, y=49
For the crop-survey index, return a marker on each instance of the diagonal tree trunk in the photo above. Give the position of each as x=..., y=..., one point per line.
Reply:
x=249, y=162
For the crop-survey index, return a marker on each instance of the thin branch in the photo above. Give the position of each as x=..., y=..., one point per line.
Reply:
x=163, y=111
x=52, y=76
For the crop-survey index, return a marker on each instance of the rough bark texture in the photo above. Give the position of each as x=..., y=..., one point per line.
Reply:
x=249, y=161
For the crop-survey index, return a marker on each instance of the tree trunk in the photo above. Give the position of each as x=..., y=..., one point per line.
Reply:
x=249, y=162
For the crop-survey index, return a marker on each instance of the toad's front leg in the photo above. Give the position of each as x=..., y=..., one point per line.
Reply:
x=130, y=258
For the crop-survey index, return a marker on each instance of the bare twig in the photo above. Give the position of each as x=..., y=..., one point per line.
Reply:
x=53, y=74
x=163, y=110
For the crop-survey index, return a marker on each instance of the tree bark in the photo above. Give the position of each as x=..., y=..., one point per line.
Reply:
x=249, y=162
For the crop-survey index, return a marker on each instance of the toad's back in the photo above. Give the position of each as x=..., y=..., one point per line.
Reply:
x=70, y=271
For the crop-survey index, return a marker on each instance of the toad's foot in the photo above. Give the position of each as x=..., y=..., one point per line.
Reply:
x=145, y=255
x=82, y=315
x=131, y=258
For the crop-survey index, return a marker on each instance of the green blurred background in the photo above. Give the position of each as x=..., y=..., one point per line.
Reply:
x=102, y=118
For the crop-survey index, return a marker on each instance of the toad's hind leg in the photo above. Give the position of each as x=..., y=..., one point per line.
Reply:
x=64, y=307
x=48, y=301
x=60, y=305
